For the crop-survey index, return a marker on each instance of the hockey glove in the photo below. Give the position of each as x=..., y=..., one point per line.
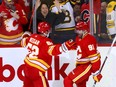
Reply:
x=97, y=77
x=24, y=38
x=68, y=45
x=26, y=34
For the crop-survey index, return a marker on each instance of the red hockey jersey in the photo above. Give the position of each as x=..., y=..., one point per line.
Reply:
x=87, y=49
x=40, y=51
x=10, y=27
x=25, y=4
x=86, y=12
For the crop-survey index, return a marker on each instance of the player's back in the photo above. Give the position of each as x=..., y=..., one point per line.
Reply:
x=38, y=47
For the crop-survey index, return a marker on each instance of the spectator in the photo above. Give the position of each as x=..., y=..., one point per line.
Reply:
x=44, y=14
x=12, y=17
x=88, y=58
x=39, y=57
x=77, y=12
x=65, y=30
x=111, y=19
x=49, y=2
x=103, y=37
x=107, y=1
x=85, y=15
x=26, y=6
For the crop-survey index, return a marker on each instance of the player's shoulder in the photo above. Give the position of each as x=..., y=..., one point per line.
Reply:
x=91, y=37
x=48, y=41
x=35, y=35
x=41, y=38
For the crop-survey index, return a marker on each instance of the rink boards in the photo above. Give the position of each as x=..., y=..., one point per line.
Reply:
x=11, y=68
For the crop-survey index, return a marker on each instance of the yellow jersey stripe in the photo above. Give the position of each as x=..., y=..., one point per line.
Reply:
x=43, y=79
x=34, y=65
x=83, y=73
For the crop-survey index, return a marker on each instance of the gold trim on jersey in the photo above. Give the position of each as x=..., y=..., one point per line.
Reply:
x=96, y=20
x=37, y=63
x=92, y=59
x=51, y=49
x=10, y=37
x=10, y=40
x=8, y=43
x=62, y=3
x=74, y=2
x=43, y=79
x=23, y=42
x=65, y=29
x=83, y=73
x=110, y=24
x=111, y=6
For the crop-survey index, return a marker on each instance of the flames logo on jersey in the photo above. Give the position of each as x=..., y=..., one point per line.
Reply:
x=11, y=24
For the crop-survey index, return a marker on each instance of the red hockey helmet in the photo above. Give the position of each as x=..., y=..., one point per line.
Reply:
x=43, y=27
x=82, y=26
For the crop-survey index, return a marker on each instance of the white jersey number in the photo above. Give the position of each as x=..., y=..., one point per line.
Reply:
x=33, y=50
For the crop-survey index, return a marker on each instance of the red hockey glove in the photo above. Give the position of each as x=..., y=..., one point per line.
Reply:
x=97, y=77
x=68, y=45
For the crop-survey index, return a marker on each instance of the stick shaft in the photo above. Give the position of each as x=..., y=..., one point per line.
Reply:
x=30, y=22
x=114, y=40
x=35, y=6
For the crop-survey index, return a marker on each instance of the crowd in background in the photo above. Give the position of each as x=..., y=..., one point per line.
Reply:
x=62, y=17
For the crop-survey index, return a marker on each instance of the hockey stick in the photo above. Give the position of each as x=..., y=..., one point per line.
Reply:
x=33, y=12
x=30, y=22
x=114, y=40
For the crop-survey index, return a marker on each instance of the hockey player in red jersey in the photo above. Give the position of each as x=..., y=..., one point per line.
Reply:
x=88, y=58
x=39, y=57
x=12, y=17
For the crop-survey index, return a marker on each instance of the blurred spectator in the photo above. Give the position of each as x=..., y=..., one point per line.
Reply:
x=107, y=1
x=26, y=5
x=82, y=1
x=103, y=36
x=77, y=12
x=12, y=17
x=85, y=15
x=111, y=18
x=103, y=7
x=103, y=17
x=49, y=2
x=44, y=14
x=65, y=30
